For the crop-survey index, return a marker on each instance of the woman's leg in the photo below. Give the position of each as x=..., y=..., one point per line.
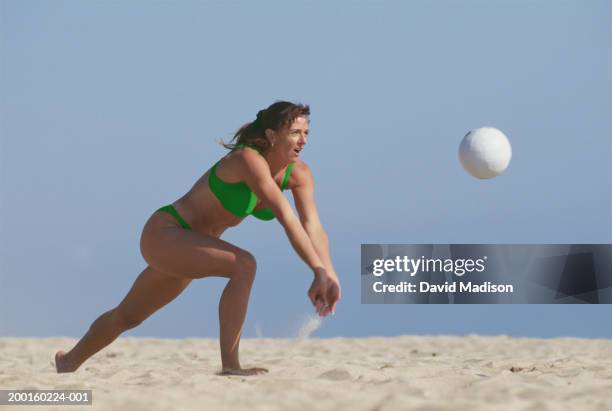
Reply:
x=197, y=255
x=175, y=257
x=151, y=291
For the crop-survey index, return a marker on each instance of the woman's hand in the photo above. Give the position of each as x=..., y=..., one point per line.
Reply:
x=324, y=292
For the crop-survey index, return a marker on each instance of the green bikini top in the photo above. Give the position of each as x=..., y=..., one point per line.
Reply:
x=237, y=198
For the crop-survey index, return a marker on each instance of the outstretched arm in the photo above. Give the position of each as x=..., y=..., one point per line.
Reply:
x=303, y=194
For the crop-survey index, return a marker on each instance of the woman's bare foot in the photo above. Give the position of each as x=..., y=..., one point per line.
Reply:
x=243, y=371
x=62, y=364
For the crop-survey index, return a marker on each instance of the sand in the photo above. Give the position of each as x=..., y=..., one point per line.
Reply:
x=379, y=373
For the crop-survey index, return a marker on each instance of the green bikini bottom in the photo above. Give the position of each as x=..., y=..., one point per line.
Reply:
x=172, y=211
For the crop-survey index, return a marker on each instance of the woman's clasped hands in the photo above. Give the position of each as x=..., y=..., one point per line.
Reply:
x=324, y=292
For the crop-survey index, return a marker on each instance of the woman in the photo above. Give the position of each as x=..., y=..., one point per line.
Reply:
x=181, y=241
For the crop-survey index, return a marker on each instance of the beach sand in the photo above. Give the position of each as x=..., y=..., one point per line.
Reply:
x=379, y=373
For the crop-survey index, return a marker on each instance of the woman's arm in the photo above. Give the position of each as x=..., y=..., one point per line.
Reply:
x=303, y=194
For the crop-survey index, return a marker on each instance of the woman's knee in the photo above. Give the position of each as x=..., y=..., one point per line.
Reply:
x=245, y=265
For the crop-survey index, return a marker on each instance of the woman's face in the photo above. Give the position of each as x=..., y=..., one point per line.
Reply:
x=290, y=141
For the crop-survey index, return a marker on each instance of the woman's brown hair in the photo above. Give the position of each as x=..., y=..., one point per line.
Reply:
x=277, y=116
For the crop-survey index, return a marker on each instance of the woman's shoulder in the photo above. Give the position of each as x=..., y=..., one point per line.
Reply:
x=243, y=154
x=239, y=162
x=300, y=174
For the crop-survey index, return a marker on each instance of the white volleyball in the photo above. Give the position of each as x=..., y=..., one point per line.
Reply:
x=485, y=152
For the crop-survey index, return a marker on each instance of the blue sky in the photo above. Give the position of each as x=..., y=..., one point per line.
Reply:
x=109, y=110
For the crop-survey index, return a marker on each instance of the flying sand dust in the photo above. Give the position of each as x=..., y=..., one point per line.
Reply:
x=311, y=323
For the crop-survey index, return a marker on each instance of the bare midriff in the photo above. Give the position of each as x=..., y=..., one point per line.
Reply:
x=202, y=210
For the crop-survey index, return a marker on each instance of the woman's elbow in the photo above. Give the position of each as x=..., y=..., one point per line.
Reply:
x=286, y=217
